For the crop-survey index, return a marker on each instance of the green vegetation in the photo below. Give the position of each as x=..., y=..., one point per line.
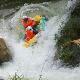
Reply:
x=67, y=51
x=21, y=77
x=14, y=3
x=70, y=55
x=17, y=77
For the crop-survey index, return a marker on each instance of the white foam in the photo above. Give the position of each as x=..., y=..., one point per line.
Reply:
x=38, y=60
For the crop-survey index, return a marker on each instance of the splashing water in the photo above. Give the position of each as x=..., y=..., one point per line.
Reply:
x=37, y=61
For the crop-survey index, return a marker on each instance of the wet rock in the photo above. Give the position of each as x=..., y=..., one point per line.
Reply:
x=5, y=54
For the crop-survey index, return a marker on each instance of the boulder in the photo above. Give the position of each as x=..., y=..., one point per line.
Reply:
x=5, y=54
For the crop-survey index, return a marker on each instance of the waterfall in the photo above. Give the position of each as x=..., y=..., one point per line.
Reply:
x=37, y=62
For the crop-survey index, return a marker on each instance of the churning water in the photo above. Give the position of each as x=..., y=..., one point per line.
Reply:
x=37, y=61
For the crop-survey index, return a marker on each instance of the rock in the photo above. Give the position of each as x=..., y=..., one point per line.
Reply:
x=5, y=54
x=76, y=41
x=68, y=40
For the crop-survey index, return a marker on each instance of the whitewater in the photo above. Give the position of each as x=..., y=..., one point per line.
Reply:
x=37, y=62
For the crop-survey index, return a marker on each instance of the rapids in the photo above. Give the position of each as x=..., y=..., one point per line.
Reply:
x=37, y=62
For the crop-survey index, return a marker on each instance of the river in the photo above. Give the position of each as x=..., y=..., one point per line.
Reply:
x=38, y=61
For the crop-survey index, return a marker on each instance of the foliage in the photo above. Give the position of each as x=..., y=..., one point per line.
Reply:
x=68, y=52
x=17, y=77
x=14, y=3
x=21, y=77
x=70, y=55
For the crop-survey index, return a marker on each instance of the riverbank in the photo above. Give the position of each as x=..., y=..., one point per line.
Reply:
x=6, y=4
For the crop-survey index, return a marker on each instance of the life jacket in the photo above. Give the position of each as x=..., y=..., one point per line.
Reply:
x=29, y=22
x=29, y=34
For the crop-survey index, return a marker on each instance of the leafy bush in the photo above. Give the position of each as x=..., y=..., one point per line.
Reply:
x=21, y=77
x=70, y=55
x=68, y=52
x=17, y=77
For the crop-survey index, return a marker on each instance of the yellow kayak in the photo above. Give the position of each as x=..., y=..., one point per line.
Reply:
x=30, y=42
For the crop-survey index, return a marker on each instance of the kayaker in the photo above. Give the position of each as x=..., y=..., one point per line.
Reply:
x=28, y=22
x=29, y=34
x=31, y=26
